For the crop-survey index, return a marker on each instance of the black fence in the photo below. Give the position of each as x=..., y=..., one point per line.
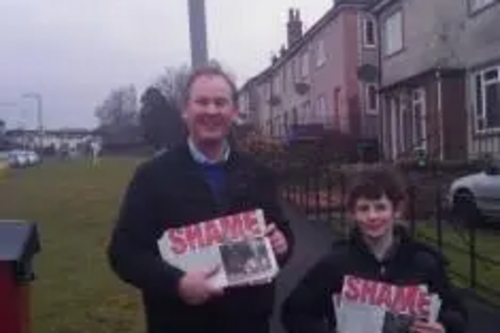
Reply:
x=451, y=224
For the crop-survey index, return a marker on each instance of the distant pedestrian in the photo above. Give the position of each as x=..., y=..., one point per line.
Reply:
x=95, y=150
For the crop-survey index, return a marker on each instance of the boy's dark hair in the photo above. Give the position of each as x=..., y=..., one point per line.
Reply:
x=209, y=70
x=375, y=182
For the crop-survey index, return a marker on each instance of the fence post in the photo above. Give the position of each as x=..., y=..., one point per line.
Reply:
x=472, y=254
x=307, y=192
x=342, y=199
x=303, y=185
x=439, y=214
x=412, y=210
x=329, y=194
x=317, y=191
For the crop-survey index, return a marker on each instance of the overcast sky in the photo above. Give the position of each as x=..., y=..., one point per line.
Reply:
x=74, y=52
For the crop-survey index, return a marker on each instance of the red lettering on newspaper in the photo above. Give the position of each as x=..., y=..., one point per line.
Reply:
x=213, y=232
x=399, y=299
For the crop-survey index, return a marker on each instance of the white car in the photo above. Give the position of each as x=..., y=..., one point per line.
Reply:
x=22, y=158
x=476, y=196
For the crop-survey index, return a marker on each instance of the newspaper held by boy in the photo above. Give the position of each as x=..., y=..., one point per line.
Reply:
x=366, y=306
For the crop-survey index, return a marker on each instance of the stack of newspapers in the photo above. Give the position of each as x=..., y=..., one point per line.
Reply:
x=236, y=244
x=366, y=306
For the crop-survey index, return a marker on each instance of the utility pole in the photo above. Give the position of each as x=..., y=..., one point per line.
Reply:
x=198, y=33
x=39, y=108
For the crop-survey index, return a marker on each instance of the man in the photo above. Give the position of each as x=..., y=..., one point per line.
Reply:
x=200, y=180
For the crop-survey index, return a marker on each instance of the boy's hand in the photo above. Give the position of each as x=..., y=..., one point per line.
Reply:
x=425, y=327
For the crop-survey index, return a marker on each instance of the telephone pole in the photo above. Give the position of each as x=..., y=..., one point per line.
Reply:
x=198, y=33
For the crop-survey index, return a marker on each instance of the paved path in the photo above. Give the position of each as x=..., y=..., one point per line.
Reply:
x=313, y=240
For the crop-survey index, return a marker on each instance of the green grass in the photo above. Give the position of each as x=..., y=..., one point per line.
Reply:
x=74, y=204
x=456, y=247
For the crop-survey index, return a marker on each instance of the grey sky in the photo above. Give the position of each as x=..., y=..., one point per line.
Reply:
x=74, y=52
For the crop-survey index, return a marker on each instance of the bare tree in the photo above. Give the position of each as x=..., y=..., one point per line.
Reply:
x=118, y=115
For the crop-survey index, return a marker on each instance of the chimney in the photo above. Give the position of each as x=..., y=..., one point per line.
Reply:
x=282, y=50
x=294, y=26
x=274, y=59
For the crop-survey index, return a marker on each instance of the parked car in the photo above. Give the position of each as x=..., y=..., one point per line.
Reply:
x=476, y=197
x=22, y=158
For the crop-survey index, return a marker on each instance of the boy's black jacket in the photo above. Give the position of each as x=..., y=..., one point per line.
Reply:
x=170, y=191
x=309, y=308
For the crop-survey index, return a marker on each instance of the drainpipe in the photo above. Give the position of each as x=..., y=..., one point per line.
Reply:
x=440, y=112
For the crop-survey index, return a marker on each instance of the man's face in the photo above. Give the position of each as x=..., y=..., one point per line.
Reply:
x=210, y=109
x=375, y=217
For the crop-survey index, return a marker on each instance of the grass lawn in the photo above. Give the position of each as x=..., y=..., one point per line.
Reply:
x=456, y=245
x=74, y=204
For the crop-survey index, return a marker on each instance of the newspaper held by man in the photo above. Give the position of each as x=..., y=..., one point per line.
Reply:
x=366, y=306
x=236, y=243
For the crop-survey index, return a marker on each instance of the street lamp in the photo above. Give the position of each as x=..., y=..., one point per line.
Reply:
x=39, y=101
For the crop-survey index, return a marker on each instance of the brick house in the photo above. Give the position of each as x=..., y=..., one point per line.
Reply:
x=323, y=79
x=440, y=77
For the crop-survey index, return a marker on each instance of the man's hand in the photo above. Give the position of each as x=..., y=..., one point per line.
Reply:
x=277, y=239
x=425, y=327
x=195, y=289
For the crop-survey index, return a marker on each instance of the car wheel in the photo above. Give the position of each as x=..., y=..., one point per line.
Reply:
x=465, y=210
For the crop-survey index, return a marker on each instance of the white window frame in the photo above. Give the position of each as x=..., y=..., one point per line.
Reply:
x=321, y=112
x=320, y=53
x=477, y=5
x=304, y=70
x=369, y=110
x=393, y=33
x=480, y=111
x=394, y=127
x=366, y=42
x=421, y=100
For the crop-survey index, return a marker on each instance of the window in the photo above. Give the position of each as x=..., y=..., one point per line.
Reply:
x=393, y=33
x=419, y=128
x=487, y=98
x=306, y=115
x=369, y=32
x=305, y=65
x=321, y=110
x=371, y=99
x=477, y=5
x=320, y=54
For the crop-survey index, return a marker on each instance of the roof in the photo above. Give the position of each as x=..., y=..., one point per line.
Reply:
x=408, y=81
x=328, y=17
x=379, y=5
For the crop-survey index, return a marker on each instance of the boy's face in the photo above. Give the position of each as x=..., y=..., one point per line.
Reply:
x=375, y=217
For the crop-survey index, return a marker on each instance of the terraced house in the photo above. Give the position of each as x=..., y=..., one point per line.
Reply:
x=440, y=77
x=324, y=78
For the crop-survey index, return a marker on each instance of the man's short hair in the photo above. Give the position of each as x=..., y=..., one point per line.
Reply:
x=376, y=182
x=209, y=70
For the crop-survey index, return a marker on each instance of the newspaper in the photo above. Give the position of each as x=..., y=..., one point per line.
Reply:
x=366, y=306
x=235, y=243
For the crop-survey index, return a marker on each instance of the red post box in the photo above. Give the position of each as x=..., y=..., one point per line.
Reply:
x=18, y=244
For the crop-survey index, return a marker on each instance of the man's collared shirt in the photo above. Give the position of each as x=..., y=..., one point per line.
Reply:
x=201, y=158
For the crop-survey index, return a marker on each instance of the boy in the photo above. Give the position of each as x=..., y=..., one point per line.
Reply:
x=378, y=250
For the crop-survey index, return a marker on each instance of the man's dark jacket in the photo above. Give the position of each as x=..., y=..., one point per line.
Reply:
x=170, y=191
x=309, y=308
